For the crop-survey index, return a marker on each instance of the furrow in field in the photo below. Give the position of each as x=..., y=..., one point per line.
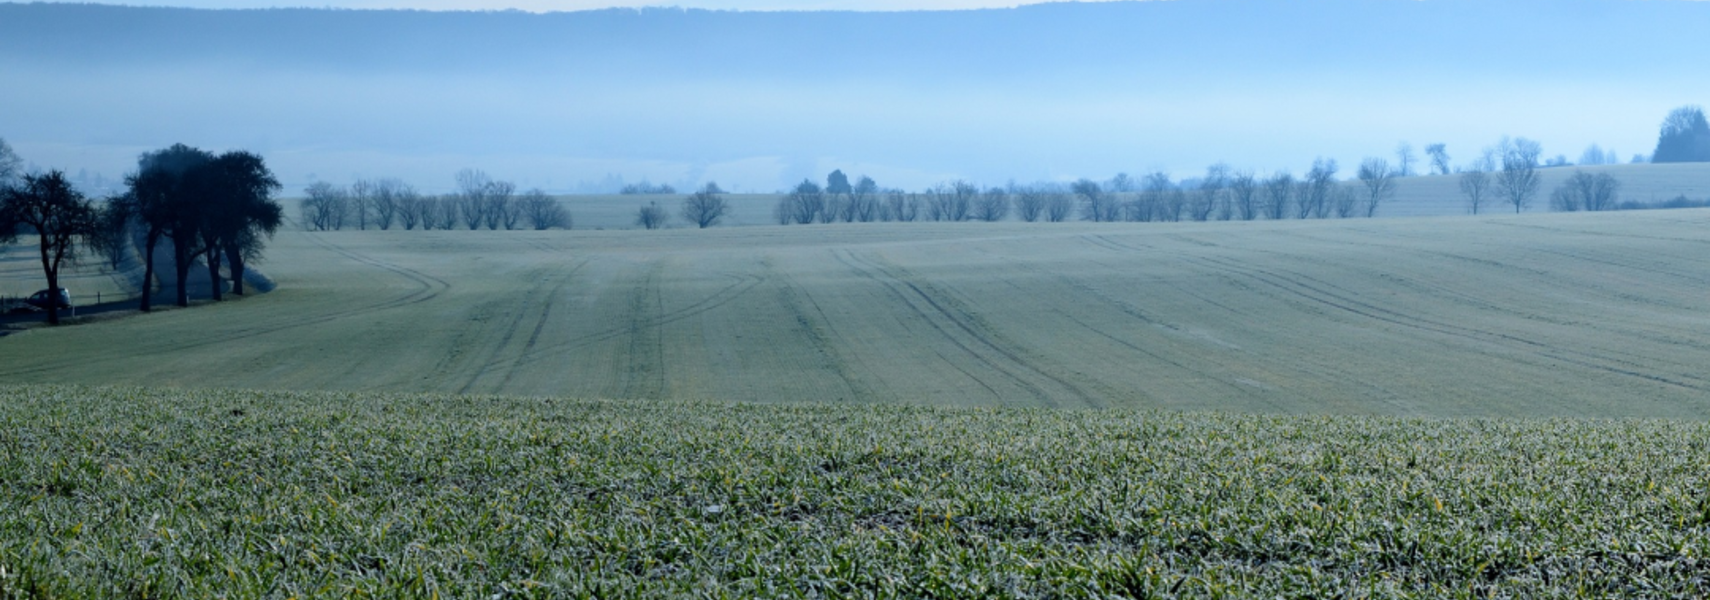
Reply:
x=969, y=331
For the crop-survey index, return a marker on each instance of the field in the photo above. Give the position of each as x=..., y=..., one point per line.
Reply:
x=1537, y=315
x=122, y=492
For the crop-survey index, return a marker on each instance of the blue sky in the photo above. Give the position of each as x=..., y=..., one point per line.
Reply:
x=576, y=5
x=757, y=101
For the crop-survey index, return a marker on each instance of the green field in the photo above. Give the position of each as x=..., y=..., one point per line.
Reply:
x=1537, y=315
x=120, y=492
x=1490, y=406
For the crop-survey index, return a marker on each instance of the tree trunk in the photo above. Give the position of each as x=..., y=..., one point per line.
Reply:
x=148, y=271
x=181, y=259
x=213, y=259
x=51, y=269
x=234, y=264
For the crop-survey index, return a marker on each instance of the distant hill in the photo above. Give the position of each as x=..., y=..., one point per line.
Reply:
x=760, y=100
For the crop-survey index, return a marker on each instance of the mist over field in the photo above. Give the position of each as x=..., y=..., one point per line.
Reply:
x=584, y=101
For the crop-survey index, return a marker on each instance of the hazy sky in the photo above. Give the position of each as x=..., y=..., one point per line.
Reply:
x=758, y=101
x=573, y=5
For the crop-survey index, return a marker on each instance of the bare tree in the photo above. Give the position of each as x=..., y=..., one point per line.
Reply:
x=1404, y=160
x=1518, y=180
x=1030, y=202
x=1313, y=197
x=1244, y=195
x=1096, y=205
x=409, y=208
x=386, y=193
x=60, y=217
x=704, y=208
x=1210, y=192
x=802, y=205
x=953, y=201
x=993, y=205
x=1159, y=199
x=471, y=198
x=864, y=200
x=1346, y=201
x=323, y=206
x=111, y=236
x=542, y=211
x=361, y=200
x=1439, y=154
x=449, y=211
x=1278, y=189
x=1584, y=191
x=1059, y=206
x=1122, y=183
x=651, y=216
x=497, y=210
x=1379, y=182
x=1475, y=182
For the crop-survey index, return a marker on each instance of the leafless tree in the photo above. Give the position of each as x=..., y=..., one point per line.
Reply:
x=993, y=205
x=1345, y=200
x=324, y=206
x=59, y=216
x=803, y=204
x=1122, y=183
x=471, y=198
x=1210, y=192
x=1096, y=204
x=1059, y=206
x=361, y=202
x=864, y=200
x=1313, y=196
x=1404, y=158
x=704, y=208
x=1030, y=202
x=497, y=210
x=1278, y=188
x=1439, y=154
x=1379, y=182
x=1584, y=191
x=1475, y=182
x=11, y=166
x=1518, y=180
x=1244, y=195
x=449, y=211
x=651, y=216
x=409, y=208
x=901, y=206
x=542, y=211
x=1160, y=199
x=953, y=201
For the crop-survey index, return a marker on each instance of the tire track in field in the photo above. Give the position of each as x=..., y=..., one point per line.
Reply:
x=640, y=368
x=740, y=286
x=812, y=325
x=1302, y=286
x=495, y=358
x=1557, y=280
x=428, y=287
x=998, y=353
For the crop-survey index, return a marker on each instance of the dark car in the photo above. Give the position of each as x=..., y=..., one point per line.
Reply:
x=42, y=299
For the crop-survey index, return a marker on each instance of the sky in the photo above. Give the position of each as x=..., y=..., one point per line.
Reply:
x=579, y=5
x=759, y=101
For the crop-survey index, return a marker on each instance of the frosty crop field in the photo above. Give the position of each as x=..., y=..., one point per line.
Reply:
x=1536, y=315
x=125, y=492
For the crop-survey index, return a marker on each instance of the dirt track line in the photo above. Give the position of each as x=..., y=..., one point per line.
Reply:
x=557, y=283
x=741, y=286
x=1353, y=306
x=967, y=323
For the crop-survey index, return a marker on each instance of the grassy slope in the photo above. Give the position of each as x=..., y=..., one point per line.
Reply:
x=1562, y=315
x=108, y=492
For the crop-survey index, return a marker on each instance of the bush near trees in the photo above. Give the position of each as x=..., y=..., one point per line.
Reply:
x=1685, y=137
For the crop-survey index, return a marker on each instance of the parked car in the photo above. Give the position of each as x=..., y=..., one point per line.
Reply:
x=45, y=298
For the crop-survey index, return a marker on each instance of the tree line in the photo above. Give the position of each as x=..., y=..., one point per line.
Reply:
x=480, y=201
x=217, y=208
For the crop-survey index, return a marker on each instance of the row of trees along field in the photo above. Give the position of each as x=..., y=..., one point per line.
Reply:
x=1503, y=175
x=480, y=201
x=218, y=208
